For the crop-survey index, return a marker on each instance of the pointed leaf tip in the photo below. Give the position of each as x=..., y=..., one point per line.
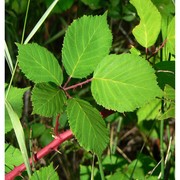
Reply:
x=38, y=64
x=87, y=125
x=86, y=42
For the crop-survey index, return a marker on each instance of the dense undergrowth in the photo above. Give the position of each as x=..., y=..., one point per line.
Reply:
x=110, y=68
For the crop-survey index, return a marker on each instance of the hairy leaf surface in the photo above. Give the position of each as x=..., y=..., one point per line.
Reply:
x=148, y=30
x=45, y=173
x=87, y=41
x=47, y=100
x=124, y=82
x=87, y=125
x=38, y=64
x=15, y=98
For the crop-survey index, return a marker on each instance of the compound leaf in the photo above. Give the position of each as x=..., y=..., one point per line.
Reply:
x=124, y=82
x=45, y=173
x=47, y=100
x=148, y=30
x=15, y=98
x=38, y=64
x=87, y=41
x=87, y=125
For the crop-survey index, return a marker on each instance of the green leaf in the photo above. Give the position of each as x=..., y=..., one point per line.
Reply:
x=124, y=82
x=38, y=64
x=148, y=30
x=153, y=110
x=119, y=175
x=113, y=162
x=87, y=40
x=165, y=71
x=135, y=51
x=18, y=7
x=37, y=129
x=165, y=7
x=61, y=6
x=45, y=173
x=93, y=4
x=169, y=93
x=170, y=113
x=13, y=157
x=150, y=111
x=87, y=125
x=171, y=36
x=47, y=100
x=85, y=172
x=15, y=98
x=63, y=120
x=46, y=137
x=143, y=165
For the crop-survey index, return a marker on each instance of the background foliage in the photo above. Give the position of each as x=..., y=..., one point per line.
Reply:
x=135, y=141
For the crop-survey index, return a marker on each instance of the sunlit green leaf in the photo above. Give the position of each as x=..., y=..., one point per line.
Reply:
x=135, y=51
x=170, y=113
x=45, y=173
x=87, y=125
x=169, y=92
x=87, y=41
x=150, y=111
x=147, y=31
x=171, y=36
x=38, y=64
x=47, y=100
x=124, y=82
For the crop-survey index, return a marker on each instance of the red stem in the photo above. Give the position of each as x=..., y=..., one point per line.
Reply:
x=69, y=78
x=79, y=84
x=52, y=146
x=56, y=125
x=156, y=51
x=43, y=152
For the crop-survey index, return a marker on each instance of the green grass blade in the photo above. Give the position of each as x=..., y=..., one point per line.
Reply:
x=39, y=23
x=101, y=167
x=19, y=135
x=8, y=58
x=25, y=21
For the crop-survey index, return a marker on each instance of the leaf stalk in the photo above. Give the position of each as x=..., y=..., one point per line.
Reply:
x=77, y=85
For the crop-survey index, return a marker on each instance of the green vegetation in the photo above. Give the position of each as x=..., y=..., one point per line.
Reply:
x=90, y=89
